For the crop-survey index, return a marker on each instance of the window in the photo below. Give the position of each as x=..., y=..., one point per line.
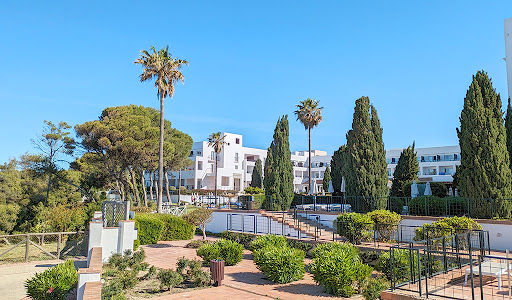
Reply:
x=199, y=165
x=212, y=155
x=237, y=141
x=236, y=157
x=236, y=167
x=225, y=181
x=321, y=164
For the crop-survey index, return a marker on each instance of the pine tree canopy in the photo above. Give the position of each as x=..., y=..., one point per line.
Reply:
x=484, y=171
x=406, y=171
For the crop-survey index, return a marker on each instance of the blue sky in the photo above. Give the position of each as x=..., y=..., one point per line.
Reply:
x=250, y=62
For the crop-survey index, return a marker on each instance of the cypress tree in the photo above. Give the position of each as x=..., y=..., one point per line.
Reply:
x=508, y=129
x=484, y=171
x=256, y=180
x=337, y=163
x=406, y=171
x=278, y=179
x=327, y=178
x=366, y=159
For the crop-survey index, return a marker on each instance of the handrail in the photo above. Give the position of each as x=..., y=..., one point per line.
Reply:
x=41, y=233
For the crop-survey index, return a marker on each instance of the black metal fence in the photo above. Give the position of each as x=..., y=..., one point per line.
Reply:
x=114, y=211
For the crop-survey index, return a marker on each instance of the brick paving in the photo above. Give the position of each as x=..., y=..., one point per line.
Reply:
x=243, y=281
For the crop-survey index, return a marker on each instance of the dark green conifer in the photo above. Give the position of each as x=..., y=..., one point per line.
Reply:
x=256, y=180
x=406, y=171
x=337, y=163
x=508, y=129
x=327, y=178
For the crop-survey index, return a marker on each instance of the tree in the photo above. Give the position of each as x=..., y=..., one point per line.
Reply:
x=200, y=217
x=53, y=142
x=508, y=130
x=484, y=171
x=310, y=115
x=256, y=180
x=327, y=178
x=216, y=141
x=338, y=162
x=366, y=159
x=166, y=69
x=406, y=171
x=278, y=179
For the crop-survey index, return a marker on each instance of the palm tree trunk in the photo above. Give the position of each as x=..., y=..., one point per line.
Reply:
x=216, y=165
x=167, y=193
x=161, y=155
x=144, y=189
x=310, y=179
x=151, y=186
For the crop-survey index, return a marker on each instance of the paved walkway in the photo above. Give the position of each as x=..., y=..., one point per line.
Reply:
x=243, y=281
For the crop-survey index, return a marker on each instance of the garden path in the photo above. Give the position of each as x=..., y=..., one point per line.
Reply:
x=243, y=281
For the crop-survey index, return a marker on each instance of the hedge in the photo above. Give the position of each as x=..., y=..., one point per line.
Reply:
x=354, y=227
x=161, y=227
x=149, y=228
x=263, y=241
x=280, y=264
x=435, y=206
x=175, y=228
x=229, y=251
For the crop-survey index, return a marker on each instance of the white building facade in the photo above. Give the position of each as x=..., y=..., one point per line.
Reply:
x=236, y=164
x=437, y=164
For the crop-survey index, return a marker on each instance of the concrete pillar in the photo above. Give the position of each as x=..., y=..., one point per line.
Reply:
x=95, y=235
x=127, y=235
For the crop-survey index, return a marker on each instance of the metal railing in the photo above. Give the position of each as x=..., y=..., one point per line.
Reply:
x=43, y=246
x=168, y=208
x=115, y=211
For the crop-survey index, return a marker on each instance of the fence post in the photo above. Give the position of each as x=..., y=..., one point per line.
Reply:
x=27, y=243
x=471, y=266
x=59, y=241
x=444, y=256
x=243, y=223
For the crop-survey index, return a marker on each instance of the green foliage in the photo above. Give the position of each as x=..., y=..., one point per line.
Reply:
x=338, y=267
x=372, y=287
x=508, y=130
x=402, y=259
x=338, y=162
x=9, y=213
x=175, y=228
x=242, y=238
x=199, y=217
x=435, y=206
x=121, y=273
x=301, y=245
x=253, y=190
x=229, y=251
x=197, y=243
x=191, y=271
x=484, y=171
x=53, y=283
x=280, y=264
x=438, y=189
x=257, y=173
x=327, y=178
x=278, y=179
x=369, y=257
x=263, y=241
x=366, y=165
x=169, y=279
x=149, y=228
x=354, y=227
x=446, y=227
x=386, y=223
x=406, y=171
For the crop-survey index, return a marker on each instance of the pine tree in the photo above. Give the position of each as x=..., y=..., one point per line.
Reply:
x=327, y=178
x=278, y=180
x=406, y=171
x=366, y=159
x=484, y=171
x=256, y=180
x=338, y=161
x=508, y=129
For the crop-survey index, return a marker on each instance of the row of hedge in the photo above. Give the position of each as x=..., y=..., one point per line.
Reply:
x=161, y=227
x=357, y=228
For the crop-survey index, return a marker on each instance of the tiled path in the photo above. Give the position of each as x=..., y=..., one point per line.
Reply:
x=243, y=281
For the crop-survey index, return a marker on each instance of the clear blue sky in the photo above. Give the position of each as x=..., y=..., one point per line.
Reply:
x=250, y=62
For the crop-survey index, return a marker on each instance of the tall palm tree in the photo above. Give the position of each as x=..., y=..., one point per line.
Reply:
x=310, y=115
x=166, y=69
x=216, y=140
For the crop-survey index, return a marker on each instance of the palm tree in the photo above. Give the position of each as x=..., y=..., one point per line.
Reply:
x=310, y=115
x=216, y=140
x=166, y=69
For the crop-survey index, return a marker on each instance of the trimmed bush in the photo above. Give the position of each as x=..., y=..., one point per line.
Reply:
x=373, y=286
x=301, y=245
x=354, y=227
x=386, y=223
x=175, y=228
x=446, y=227
x=149, y=228
x=435, y=206
x=402, y=259
x=229, y=251
x=53, y=283
x=338, y=267
x=280, y=264
x=263, y=241
x=242, y=238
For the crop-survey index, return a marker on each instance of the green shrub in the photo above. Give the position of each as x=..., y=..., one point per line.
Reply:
x=263, y=241
x=169, y=279
x=338, y=267
x=354, y=227
x=301, y=245
x=446, y=227
x=280, y=264
x=253, y=190
x=402, y=259
x=175, y=228
x=149, y=228
x=193, y=271
x=386, y=223
x=242, y=238
x=197, y=243
x=373, y=286
x=438, y=189
x=436, y=206
x=229, y=251
x=369, y=257
x=53, y=283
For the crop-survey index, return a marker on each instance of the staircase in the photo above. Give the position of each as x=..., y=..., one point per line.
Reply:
x=308, y=228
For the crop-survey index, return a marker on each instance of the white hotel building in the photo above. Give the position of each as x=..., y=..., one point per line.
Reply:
x=236, y=164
